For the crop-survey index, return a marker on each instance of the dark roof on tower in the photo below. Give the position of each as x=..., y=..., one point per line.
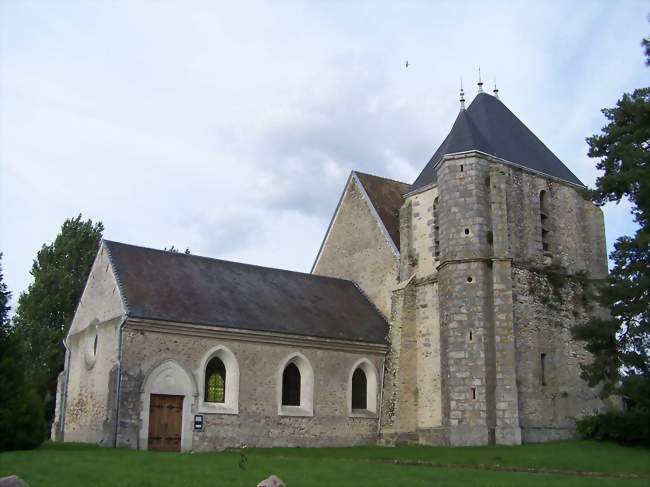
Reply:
x=168, y=286
x=489, y=126
x=386, y=196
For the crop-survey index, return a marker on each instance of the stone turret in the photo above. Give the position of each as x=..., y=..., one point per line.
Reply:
x=475, y=292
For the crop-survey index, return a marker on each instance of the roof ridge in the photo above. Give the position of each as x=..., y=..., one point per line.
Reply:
x=380, y=177
x=244, y=264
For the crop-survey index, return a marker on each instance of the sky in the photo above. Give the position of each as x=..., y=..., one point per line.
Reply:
x=230, y=128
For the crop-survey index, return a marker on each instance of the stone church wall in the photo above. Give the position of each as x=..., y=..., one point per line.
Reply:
x=551, y=393
x=412, y=395
x=549, y=298
x=257, y=422
x=467, y=284
x=418, y=229
x=577, y=231
x=92, y=367
x=357, y=250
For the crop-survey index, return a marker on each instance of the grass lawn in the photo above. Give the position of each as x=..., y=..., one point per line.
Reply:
x=563, y=463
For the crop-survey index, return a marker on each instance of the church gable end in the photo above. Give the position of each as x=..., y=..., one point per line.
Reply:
x=101, y=299
x=363, y=239
x=92, y=358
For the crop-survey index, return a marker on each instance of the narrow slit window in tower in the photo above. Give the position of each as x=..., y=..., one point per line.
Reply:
x=436, y=231
x=544, y=219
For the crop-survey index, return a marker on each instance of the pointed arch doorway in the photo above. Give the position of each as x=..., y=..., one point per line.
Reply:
x=167, y=399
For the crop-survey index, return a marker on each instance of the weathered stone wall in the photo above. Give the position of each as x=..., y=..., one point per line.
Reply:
x=412, y=386
x=549, y=298
x=465, y=293
x=257, y=422
x=356, y=249
x=89, y=401
x=418, y=246
x=577, y=232
x=550, y=402
x=428, y=382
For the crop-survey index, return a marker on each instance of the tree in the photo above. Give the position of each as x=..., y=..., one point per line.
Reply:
x=5, y=297
x=21, y=413
x=45, y=311
x=620, y=342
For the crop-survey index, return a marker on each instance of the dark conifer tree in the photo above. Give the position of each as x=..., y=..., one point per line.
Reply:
x=22, y=425
x=620, y=341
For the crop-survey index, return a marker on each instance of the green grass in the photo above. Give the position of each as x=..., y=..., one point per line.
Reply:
x=83, y=465
x=583, y=456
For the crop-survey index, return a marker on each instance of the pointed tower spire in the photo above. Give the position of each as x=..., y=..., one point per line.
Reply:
x=462, y=96
x=495, y=90
x=480, y=83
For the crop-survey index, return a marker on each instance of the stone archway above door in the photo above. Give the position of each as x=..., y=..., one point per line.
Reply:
x=168, y=379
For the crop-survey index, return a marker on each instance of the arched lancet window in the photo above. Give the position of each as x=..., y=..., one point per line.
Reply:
x=544, y=218
x=362, y=389
x=359, y=389
x=291, y=385
x=215, y=381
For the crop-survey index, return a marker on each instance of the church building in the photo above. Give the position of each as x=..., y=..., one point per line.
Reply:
x=437, y=312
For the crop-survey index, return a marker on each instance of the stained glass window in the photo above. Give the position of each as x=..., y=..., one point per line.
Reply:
x=215, y=381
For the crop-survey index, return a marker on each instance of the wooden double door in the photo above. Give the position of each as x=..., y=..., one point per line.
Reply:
x=165, y=422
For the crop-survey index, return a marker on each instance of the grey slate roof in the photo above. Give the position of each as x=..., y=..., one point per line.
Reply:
x=488, y=126
x=175, y=287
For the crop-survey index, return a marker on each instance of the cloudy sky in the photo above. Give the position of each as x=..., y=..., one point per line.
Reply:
x=231, y=127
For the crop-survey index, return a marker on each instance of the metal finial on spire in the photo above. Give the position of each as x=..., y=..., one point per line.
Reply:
x=480, y=83
x=462, y=96
x=495, y=90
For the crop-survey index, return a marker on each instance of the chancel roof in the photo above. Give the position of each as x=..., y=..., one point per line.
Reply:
x=489, y=126
x=176, y=287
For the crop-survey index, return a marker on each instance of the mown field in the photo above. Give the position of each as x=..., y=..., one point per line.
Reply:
x=574, y=463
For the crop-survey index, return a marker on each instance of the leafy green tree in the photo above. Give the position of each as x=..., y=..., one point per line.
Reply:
x=22, y=424
x=620, y=342
x=45, y=311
